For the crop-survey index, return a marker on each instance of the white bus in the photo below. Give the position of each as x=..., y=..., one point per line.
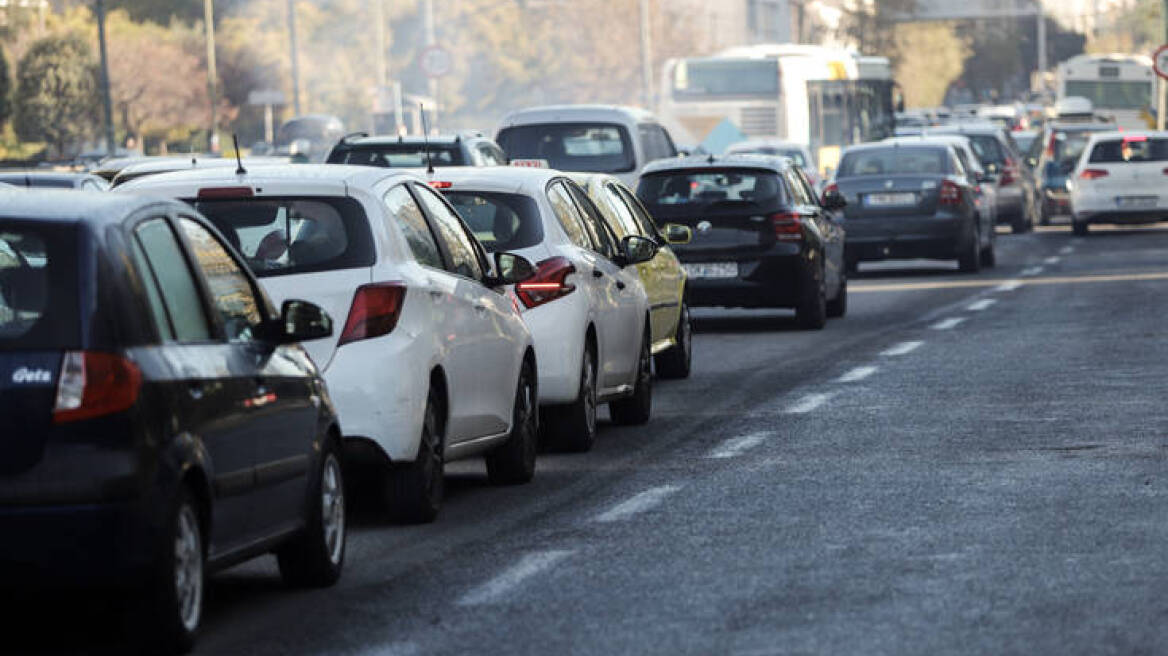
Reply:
x=1121, y=87
x=826, y=98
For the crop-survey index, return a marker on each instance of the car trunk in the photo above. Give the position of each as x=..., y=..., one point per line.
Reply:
x=27, y=395
x=332, y=290
x=886, y=196
x=1127, y=180
x=738, y=230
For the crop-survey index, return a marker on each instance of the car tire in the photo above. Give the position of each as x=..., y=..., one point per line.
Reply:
x=838, y=306
x=969, y=261
x=677, y=360
x=1080, y=228
x=573, y=427
x=989, y=257
x=638, y=408
x=1044, y=216
x=315, y=558
x=414, y=490
x=177, y=585
x=513, y=463
x=811, y=313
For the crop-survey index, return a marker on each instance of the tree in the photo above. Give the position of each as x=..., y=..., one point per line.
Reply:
x=57, y=92
x=5, y=89
x=931, y=57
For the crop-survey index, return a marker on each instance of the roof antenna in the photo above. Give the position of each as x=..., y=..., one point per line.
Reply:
x=238, y=158
x=426, y=139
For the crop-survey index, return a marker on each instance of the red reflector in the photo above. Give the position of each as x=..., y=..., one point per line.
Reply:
x=441, y=184
x=548, y=283
x=950, y=193
x=93, y=384
x=375, y=311
x=1093, y=174
x=220, y=193
x=788, y=226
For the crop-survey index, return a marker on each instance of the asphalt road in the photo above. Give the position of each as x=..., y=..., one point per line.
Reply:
x=965, y=464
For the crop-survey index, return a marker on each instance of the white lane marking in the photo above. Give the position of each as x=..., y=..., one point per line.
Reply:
x=1067, y=250
x=1008, y=286
x=856, y=375
x=1054, y=259
x=1033, y=271
x=808, y=403
x=527, y=567
x=983, y=304
x=902, y=348
x=638, y=503
x=736, y=446
x=948, y=324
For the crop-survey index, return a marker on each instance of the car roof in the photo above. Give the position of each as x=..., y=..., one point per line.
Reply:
x=166, y=164
x=576, y=113
x=950, y=139
x=503, y=179
x=1117, y=134
x=20, y=175
x=733, y=160
x=769, y=143
x=69, y=206
x=338, y=176
x=390, y=139
x=966, y=128
x=910, y=142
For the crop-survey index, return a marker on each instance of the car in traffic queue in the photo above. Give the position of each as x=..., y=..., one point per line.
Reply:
x=796, y=152
x=463, y=149
x=156, y=165
x=761, y=238
x=663, y=276
x=908, y=201
x=154, y=403
x=586, y=306
x=433, y=362
x=54, y=180
x=1018, y=199
x=1053, y=156
x=1119, y=180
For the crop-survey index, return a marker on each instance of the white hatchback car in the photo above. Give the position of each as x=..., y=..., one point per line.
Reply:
x=434, y=362
x=1119, y=179
x=586, y=306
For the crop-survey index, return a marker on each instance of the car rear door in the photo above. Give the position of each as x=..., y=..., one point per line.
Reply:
x=823, y=224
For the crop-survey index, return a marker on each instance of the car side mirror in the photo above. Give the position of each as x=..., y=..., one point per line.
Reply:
x=677, y=234
x=636, y=249
x=834, y=200
x=510, y=269
x=301, y=321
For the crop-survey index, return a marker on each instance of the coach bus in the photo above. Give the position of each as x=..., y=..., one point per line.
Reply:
x=1119, y=87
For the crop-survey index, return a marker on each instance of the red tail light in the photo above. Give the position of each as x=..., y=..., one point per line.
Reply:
x=548, y=283
x=1009, y=172
x=833, y=187
x=788, y=226
x=1093, y=174
x=95, y=384
x=950, y=193
x=225, y=193
x=441, y=184
x=375, y=311
x=1050, y=144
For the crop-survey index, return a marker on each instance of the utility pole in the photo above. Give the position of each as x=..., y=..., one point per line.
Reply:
x=431, y=40
x=212, y=76
x=1040, y=15
x=646, y=56
x=379, y=86
x=107, y=99
x=294, y=54
x=1162, y=106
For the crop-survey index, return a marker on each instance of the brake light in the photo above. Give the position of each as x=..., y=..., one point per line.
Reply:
x=1050, y=144
x=95, y=384
x=224, y=193
x=375, y=311
x=831, y=188
x=950, y=193
x=788, y=226
x=548, y=283
x=1009, y=172
x=1093, y=174
x=441, y=184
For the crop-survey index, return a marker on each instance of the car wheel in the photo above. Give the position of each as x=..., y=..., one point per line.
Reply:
x=316, y=557
x=514, y=462
x=838, y=306
x=811, y=313
x=1044, y=216
x=415, y=490
x=638, y=408
x=1080, y=228
x=177, y=582
x=573, y=427
x=989, y=257
x=970, y=259
x=676, y=362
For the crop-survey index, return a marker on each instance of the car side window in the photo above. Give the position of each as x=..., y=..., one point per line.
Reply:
x=798, y=194
x=409, y=218
x=624, y=215
x=599, y=231
x=165, y=263
x=648, y=226
x=806, y=186
x=464, y=258
x=568, y=216
x=232, y=294
x=487, y=154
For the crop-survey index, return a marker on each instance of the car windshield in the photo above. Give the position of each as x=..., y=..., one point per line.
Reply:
x=398, y=156
x=501, y=222
x=38, y=286
x=585, y=147
x=1129, y=149
x=900, y=160
x=707, y=187
x=280, y=236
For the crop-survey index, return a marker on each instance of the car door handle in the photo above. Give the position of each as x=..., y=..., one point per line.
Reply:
x=435, y=294
x=597, y=273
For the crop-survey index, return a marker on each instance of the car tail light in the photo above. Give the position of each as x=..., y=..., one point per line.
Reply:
x=225, y=193
x=548, y=283
x=1093, y=174
x=1009, y=172
x=1050, y=144
x=1165, y=171
x=788, y=226
x=375, y=311
x=95, y=384
x=950, y=193
x=831, y=188
x=441, y=184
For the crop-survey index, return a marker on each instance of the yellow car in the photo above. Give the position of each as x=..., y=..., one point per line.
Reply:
x=663, y=277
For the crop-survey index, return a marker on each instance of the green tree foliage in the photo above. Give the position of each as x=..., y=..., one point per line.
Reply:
x=57, y=92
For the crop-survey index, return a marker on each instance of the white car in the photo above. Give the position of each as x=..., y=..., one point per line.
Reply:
x=434, y=362
x=1119, y=179
x=586, y=306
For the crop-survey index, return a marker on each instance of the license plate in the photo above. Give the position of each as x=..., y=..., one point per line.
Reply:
x=1136, y=202
x=890, y=200
x=712, y=270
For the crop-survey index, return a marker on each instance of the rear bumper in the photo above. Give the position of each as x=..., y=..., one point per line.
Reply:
x=1011, y=203
x=767, y=282
x=929, y=237
x=1124, y=217
x=558, y=329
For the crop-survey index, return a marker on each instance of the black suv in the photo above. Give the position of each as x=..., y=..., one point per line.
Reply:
x=469, y=149
x=160, y=419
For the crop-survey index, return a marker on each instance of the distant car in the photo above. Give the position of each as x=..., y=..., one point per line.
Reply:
x=1024, y=139
x=1053, y=156
x=761, y=238
x=157, y=165
x=1018, y=201
x=470, y=149
x=586, y=139
x=54, y=180
x=154, y=403
x=434, y=362
x=1119, y=180
x=799, y=153
x=908, y=201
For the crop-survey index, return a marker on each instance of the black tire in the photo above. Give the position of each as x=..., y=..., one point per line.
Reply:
x=838, y=306
x=677, y=360
x=811, y=313
x=1044, y=216
x=513, y=462
x=177, y=584
x=638, y=408
x=969, y=261
x=573, y=427
x=414, y=491
x=989, y=258
x=1080, y=228
x=315, y=558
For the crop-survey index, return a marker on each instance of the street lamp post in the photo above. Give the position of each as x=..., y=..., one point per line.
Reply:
x=107, y=99
x=295, y=57
x=212, y=76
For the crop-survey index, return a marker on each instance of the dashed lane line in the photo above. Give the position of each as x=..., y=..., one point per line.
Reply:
x=510, y=579
x=738, y=445
x=808, y=403
x=638, y=503
x=983, y=304
x=903, y=348
x=1067, y=250
x=856, y=375
x=1053, y=259
x=1008, y=286
x=948, y=324
x=1033, y=271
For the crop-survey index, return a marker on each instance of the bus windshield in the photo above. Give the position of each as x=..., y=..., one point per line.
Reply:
x=695, y=78
x=1112, y=94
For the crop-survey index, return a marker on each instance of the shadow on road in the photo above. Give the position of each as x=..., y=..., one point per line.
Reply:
x=753, y=322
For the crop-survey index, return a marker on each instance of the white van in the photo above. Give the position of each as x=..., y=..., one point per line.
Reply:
x=587, y=138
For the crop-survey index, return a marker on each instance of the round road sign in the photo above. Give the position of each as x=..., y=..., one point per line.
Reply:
x=1160, y=61
x=436, y=61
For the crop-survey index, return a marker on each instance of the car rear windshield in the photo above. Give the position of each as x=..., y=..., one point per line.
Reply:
x=38, y=287
x=706, y=188
x=793, y=154
x=502, y=222
x=894, y=161
x=588, y=147
x=987, y=149
x=396, y=156
x=282, y=236
x=1130, y=149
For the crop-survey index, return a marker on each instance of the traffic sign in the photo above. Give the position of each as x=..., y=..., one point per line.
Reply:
x=436, y=61
x=1160, y=61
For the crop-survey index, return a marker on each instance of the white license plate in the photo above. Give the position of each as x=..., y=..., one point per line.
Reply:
x=712, y=270
x=1136, y=202
x=890, y=200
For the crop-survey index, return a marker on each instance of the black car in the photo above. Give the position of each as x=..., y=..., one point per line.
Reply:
x=160, y=419
x=908, y=201
x=761, y=238
x=469, y=149
x=1017, y=191
x=54, y=180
